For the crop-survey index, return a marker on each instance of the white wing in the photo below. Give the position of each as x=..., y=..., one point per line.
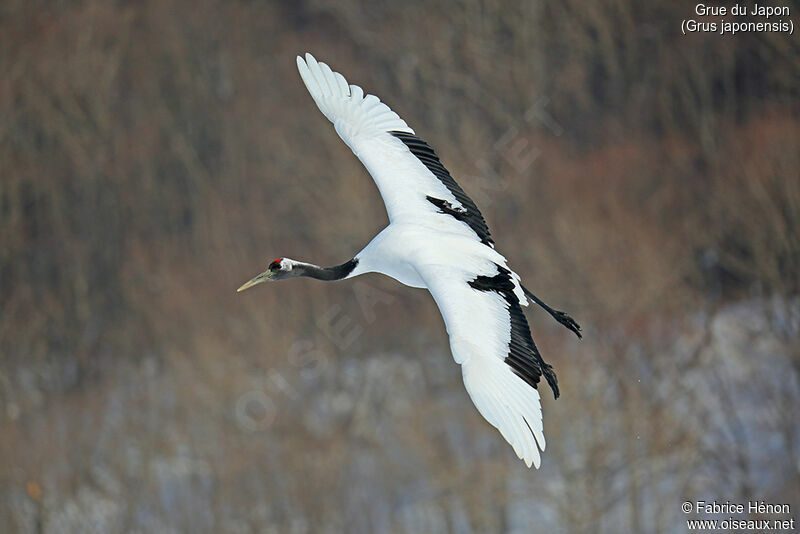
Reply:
x=490, y=338
x=411, y=179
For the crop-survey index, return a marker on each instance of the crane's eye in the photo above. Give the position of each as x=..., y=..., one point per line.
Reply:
x=275, y=265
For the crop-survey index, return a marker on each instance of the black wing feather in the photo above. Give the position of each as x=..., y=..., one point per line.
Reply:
x=471, y=216
x=523, y=356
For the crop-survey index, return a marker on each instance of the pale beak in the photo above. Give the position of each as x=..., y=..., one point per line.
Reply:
x=263, y=277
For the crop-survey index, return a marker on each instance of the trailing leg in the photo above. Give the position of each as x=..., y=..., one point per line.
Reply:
x=559, y=316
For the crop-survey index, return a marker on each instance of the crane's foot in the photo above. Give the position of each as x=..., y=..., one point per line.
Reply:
x=567, y=321
x=550, y=376
x=559, y=316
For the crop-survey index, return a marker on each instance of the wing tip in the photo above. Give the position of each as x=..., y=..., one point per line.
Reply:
x=340, y=101
x=305, y=59
x=509, y=404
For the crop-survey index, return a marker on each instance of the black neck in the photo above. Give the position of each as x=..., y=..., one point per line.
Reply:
x=329, y=273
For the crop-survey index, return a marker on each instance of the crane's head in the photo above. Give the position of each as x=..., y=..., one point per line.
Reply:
x=279, y=269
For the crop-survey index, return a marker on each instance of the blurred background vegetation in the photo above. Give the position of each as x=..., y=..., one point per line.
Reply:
x=155, y=155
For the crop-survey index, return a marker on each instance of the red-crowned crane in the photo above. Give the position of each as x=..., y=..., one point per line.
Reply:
x=438, y=240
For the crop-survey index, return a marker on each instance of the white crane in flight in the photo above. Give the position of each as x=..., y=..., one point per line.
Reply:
x=438, y=240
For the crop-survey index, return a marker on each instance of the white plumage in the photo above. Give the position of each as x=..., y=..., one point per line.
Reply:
x=437, y=239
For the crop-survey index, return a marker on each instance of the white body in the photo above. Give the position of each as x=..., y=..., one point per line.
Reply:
x=425, y=248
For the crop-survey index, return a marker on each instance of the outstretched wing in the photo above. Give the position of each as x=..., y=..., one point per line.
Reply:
x=490, y=338
x=414, y=184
